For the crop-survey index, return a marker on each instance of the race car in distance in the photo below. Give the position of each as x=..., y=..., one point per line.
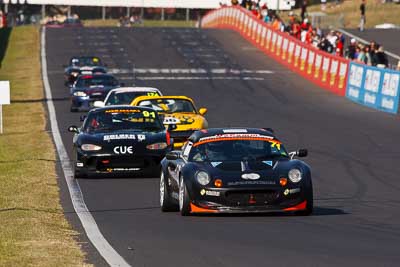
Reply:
x=119, y=140
x=234, y=171
x=177, y=110
x=125, y=95
x=90, y=88
x=83, y=65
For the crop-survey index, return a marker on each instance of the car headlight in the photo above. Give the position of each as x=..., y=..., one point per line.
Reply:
x=74, y=74
x=203, y=178
x=295, y=175
x=157, y=146
x=80, y=93
x=90, y=147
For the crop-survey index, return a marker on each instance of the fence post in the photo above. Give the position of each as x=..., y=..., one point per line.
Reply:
x=187, y=14
x=103, y=12
x=43, y=11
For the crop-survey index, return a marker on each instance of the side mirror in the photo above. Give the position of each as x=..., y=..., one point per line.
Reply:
x=171, y=127
x=301, y=153
x=82, y=118
x=73, y=129
x=98, y=104
x=202, y=111
x=172, y=156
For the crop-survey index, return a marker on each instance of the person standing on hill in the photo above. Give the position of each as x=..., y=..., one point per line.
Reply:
x=363, y=19
x=303, y=9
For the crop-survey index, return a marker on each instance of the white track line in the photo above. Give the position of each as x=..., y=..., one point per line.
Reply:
x=86, y=218
x=187, y=71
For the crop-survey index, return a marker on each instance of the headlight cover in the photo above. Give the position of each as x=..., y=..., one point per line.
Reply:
x=295, y=175
x=79, y=93
x=90, y=147
x=203, y=178
x=157, y=146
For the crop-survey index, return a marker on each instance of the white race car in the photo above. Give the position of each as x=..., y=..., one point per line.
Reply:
x=125, y=95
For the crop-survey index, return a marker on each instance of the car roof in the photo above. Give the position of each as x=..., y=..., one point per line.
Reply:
x=197, y=135
x=134, y=89
x=141, y=98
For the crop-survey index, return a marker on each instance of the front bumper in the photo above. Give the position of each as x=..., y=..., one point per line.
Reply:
x=84, y=103
x=249, y=200
x=117, y=164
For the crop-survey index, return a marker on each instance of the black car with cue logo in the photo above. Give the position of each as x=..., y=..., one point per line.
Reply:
x=233, y=171
x=120, y=140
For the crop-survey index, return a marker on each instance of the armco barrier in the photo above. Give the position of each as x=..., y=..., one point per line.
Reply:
x=326, y=70
x=370, y=86
x=373, y=87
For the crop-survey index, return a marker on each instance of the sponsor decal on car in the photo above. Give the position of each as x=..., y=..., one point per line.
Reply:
x=250, y=176
x=239, y=136
x=210, y=193
x=139, y=137
x=123, y=150
x=251, y=182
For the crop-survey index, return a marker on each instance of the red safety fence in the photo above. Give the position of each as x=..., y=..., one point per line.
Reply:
x=326, y=70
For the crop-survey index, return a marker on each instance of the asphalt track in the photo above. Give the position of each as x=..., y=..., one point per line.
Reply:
x=354, y=154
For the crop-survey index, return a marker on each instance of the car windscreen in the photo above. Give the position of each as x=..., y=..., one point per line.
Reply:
x=122, y=119
x=169, y=105
x=125, y=98
x=88, y=81
x=86, y=61
x=250, y=149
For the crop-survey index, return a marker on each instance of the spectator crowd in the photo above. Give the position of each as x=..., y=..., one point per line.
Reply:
x=332, y=42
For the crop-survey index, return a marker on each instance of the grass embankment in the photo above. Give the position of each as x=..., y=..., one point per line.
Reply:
x=33, y=229
x=376, y=12
x=146, y=23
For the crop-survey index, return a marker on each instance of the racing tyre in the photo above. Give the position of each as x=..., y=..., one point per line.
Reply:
x=184, y=200
x=165, y=198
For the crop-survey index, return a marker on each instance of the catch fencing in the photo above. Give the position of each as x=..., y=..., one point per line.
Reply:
x=326, y=70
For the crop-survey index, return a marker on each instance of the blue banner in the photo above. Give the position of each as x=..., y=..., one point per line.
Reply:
x=374, y=87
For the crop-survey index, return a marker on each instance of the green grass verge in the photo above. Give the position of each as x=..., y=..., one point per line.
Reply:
x=33, y=229
x=146, y=23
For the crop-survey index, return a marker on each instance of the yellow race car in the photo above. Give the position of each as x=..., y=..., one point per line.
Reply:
x=178, y=110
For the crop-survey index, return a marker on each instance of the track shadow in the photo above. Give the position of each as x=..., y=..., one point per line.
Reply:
x=4, y=37
x=318, y=211
x=59, y=99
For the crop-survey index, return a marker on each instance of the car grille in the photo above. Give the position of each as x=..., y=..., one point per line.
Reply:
x=251, y=198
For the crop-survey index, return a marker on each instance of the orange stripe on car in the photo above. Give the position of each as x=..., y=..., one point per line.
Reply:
x=301, y=206
x=233, y=138
x=195, y=209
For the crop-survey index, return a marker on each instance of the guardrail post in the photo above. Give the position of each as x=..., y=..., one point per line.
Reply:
x=103, y=12
x=162, y=14
x=187, y=14
x=43, y=11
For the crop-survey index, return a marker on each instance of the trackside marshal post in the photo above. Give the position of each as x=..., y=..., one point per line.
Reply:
x=4, y=99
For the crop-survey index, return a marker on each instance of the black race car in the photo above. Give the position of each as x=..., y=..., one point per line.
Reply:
x=83, y=65
x=235, y=170
x=90, y=88
x=120, y=140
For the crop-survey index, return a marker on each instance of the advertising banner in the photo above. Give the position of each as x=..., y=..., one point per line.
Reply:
x=373, y=87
